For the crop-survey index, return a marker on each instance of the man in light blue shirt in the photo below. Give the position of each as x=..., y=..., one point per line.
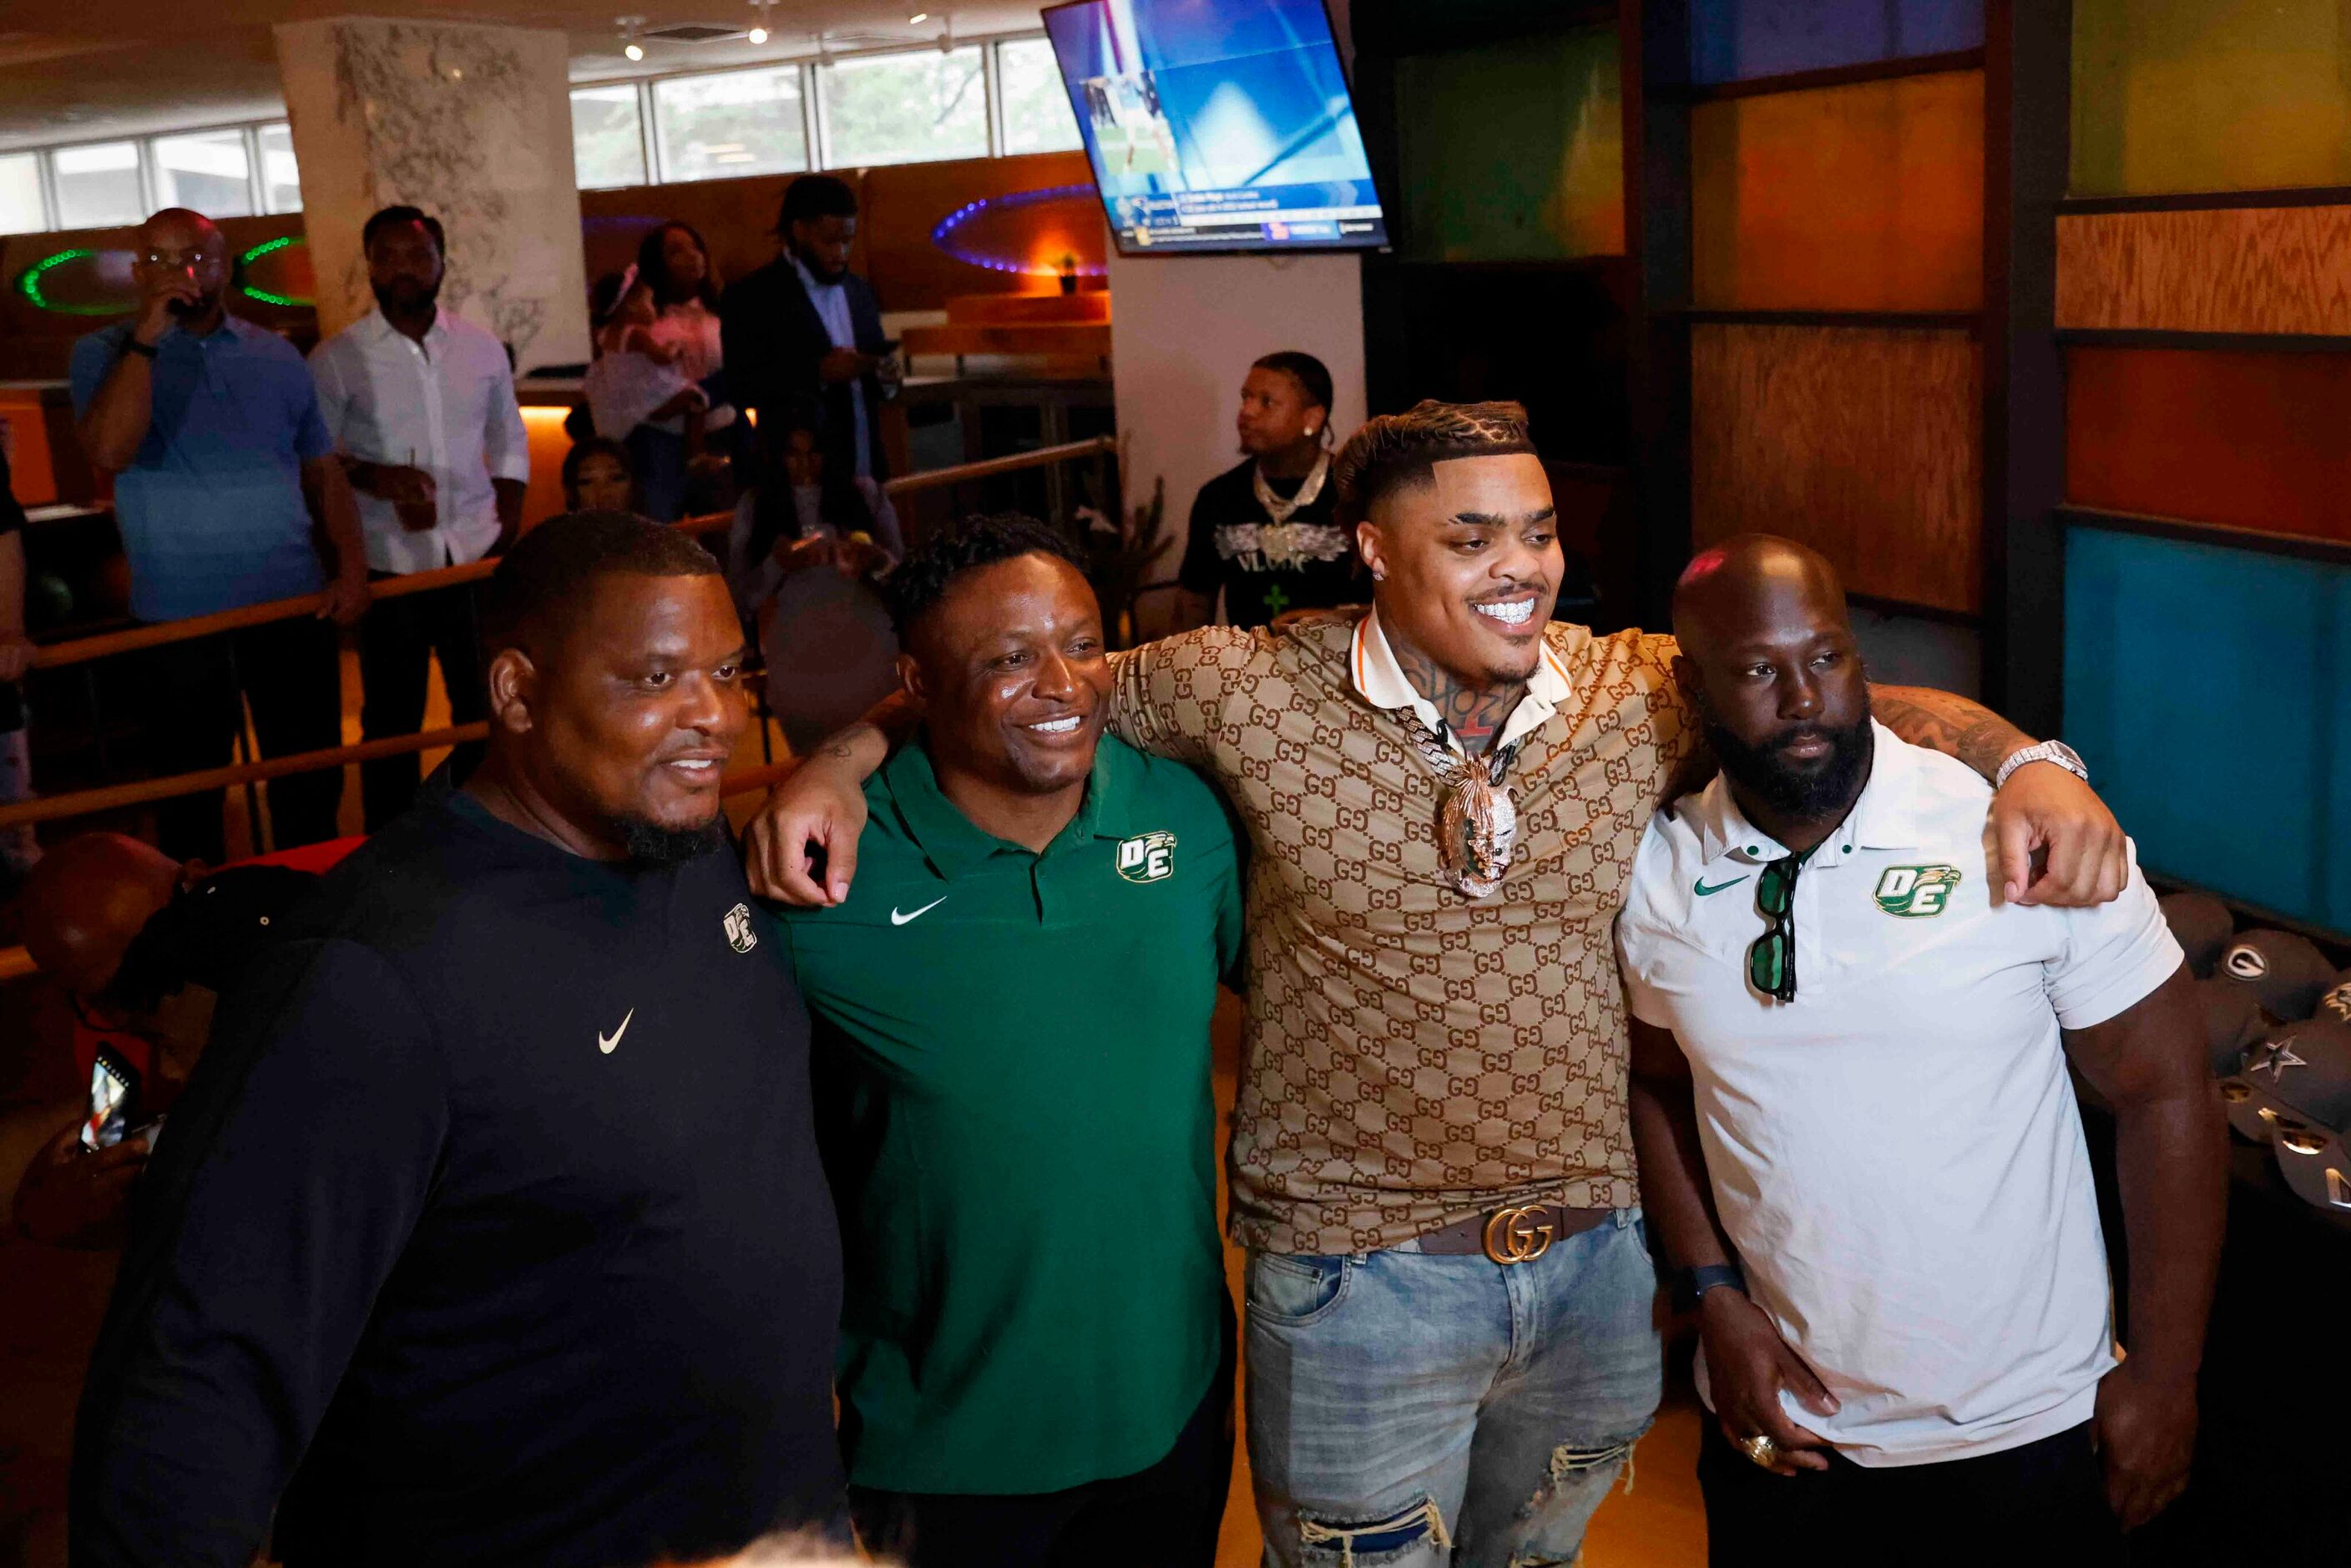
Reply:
x=211, y=428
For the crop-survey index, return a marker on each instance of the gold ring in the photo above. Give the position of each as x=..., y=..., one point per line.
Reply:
x=1761, y=1449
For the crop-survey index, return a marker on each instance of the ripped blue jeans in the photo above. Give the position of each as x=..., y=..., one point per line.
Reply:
x=1410, y=1411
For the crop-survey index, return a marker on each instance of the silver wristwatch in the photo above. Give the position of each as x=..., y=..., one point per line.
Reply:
x=2055, y=751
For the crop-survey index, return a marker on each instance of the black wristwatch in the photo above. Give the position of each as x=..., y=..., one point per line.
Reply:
x=1690, y=1284
x=131, y=345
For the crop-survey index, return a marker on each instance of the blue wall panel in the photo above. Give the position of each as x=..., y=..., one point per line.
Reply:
x=2209, y=690
x=1731, y=40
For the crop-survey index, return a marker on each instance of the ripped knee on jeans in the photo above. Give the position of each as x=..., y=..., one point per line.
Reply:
x=1567, y=1461
x=1417, y=1523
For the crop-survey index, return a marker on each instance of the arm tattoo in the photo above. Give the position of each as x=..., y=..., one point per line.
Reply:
x=1950, y=725
x=1474, y=714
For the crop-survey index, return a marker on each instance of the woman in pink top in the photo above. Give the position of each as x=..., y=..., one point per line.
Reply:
x=673, y=270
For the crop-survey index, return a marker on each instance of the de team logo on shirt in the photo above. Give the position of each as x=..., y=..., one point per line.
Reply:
x=1915, y=891
x=1147, y=858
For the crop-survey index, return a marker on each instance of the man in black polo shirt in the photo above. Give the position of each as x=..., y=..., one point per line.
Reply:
x=1263, y=532
x=495, y=1201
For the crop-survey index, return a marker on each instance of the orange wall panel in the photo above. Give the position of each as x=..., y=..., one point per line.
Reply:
x=2252, y=440
x=1864, y=443
x=1862, y=197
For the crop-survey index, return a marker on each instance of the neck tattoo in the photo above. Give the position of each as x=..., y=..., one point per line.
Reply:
x=1474, y=715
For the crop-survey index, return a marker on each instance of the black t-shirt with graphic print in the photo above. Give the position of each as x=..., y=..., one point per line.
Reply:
x=1307, y=562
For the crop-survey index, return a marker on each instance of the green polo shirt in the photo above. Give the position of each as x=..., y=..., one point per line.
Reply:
x=1012, y=1074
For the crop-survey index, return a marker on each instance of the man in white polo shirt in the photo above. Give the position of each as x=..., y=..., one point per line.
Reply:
x=1858, y=1142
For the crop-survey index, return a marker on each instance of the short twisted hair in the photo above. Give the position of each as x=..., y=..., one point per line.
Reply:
x=922, y=578
x=1399, y=449
x=543, y=586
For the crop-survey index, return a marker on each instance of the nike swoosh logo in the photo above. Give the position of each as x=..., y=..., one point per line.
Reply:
x=606, y=1042
x=1700, y=888
x=898, y=919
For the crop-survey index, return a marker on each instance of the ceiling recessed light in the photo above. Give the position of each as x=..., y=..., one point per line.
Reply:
x=918, y=18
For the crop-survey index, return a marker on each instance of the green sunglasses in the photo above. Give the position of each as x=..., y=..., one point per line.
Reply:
x=1772, y=960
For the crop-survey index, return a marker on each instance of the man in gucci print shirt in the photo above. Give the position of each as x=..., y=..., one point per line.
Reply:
x=1431, y=1163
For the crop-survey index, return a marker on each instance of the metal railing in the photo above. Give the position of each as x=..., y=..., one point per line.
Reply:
x=86, y=650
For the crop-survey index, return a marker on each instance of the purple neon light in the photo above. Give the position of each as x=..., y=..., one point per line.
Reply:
x=947, y=225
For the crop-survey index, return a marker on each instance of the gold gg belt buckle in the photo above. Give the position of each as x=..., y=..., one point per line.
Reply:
x=1519, y=1235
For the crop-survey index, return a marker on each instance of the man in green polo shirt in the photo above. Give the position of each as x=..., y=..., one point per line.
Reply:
x=1012, y=1060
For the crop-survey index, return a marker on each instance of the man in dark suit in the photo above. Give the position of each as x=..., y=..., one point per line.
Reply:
x=805, y=327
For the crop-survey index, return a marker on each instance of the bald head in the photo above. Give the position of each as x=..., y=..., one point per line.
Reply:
x=179, y=227
x=86, y=899
x=183, y=261
x=1768, y=661
x=1729, y=591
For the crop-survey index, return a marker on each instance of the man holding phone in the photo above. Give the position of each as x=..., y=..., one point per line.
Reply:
x=210, y=427
x=805, y=326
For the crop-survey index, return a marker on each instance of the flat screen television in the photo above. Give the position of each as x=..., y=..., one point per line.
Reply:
x=1218, y=125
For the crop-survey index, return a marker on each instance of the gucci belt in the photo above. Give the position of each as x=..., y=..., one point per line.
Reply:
x=1516, y=1233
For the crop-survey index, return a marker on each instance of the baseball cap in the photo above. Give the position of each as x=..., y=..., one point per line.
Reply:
x=2335, y=1001
x=2286, y=974
x=2201, y=925
x=2307, y=1069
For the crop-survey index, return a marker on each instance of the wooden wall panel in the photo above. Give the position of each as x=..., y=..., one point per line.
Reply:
x=2175, y=96
x=1863, y=443
x=1864, y=197
x=2252, y=440
x=2238, y=269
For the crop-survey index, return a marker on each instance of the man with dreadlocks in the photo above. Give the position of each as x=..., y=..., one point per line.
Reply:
x=1450, y=1344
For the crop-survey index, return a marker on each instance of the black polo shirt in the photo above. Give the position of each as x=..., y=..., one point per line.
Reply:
x=1265, y=568
x=495, y=1202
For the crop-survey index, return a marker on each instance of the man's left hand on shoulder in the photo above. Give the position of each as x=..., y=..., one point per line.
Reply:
x=2057, y=842
x=2146, y=1431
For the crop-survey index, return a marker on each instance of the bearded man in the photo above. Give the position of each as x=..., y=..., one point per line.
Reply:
x=494, y=1201
x=421, y=405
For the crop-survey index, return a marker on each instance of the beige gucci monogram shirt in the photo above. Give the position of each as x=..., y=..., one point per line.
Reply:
x=1412, y=1057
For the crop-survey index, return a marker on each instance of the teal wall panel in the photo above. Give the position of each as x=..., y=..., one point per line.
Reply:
x=2209, y=690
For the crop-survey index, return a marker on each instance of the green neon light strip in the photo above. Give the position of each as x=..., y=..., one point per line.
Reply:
x=29, y=283
x=292, y=301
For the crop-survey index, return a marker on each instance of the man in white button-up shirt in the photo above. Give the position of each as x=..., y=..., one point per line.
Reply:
x=1858, y=1137
x=421, y=407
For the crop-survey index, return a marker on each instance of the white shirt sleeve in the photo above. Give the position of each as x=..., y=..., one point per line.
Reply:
x=2115, y=955
x=505, y=445
x=1637, y=945
x=1638, y=936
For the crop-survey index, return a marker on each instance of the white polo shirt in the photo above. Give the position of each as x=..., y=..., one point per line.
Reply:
x=1897, y=1154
